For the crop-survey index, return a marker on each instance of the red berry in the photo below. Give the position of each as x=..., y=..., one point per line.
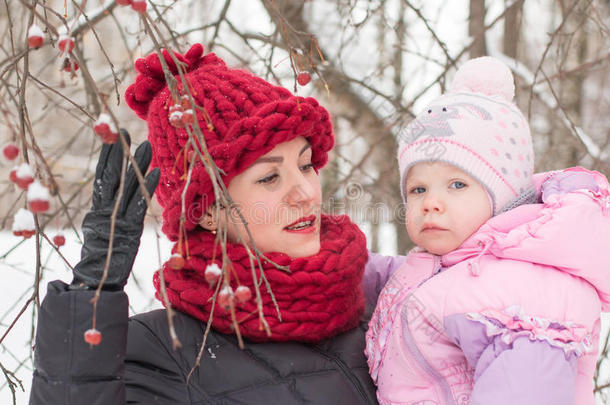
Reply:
x=38, y=206
x=192, y=155
x=93, y=337
x=101, y=129
x=69, y=65
x=243, y=293
x=139, y=6
x=123, y=2
x=24, y=182
x=175, y=107
x=65, y=44
x=212, y=273
x=13, y=175
x=105, y=129
x=185, y=102
x=175, y=119
x=10, y=151
x=110, y=138
x=35, y=41
x=303, y=78
x=225, y=295
x=59, y=240
x=28, y=233
x=38, y=197
x=23, y=223
x=35, y=36
x=176, y=262
x=187, y=117
x=24, y=176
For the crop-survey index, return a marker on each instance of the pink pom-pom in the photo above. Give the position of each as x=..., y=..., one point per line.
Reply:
x=485, y=75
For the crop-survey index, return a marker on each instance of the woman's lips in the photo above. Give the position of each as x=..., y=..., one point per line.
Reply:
x=302, y=225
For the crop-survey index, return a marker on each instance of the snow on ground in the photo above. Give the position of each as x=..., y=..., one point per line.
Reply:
x=16, y=286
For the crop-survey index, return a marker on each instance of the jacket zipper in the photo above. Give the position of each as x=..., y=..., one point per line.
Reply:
x=345, y=370
x=417, y=355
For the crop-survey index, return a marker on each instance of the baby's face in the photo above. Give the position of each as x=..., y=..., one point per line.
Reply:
x=444, y=206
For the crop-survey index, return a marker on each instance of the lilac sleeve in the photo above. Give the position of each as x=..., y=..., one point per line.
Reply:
x=524, y=372
x=377, y=271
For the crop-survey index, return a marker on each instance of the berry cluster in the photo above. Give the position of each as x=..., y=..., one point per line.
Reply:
x=65, y=43
x=181, y=115
x=37, y=196
x=226, y=295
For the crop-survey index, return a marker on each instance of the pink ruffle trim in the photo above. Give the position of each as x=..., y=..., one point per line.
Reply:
x=568, y=336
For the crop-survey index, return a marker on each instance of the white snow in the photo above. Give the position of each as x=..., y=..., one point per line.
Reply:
x=226, y=290
x=37, y=191
x=35, y=31
x=106, y=119
x=24, y=170
x=24, y=221
x=213, y=269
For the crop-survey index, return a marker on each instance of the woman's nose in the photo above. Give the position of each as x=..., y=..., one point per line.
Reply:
x=300, y=190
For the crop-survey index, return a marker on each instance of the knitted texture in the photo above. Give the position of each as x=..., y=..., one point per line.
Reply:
x=248, y=117
x=320, y=297
x=476, y=127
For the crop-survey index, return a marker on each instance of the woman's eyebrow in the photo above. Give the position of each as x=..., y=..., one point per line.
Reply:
x=307, y=146
x=278, y=159
x=269, y=159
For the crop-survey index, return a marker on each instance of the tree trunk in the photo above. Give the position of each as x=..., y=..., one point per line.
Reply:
x=476, y=28
x=564, y=150
x=512, y=29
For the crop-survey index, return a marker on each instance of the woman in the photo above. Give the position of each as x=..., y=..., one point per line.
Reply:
x=269, y=146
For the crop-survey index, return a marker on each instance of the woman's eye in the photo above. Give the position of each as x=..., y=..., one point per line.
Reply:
x=458, y=185
x=418, y=190
x=268, y=179
x=307, y=167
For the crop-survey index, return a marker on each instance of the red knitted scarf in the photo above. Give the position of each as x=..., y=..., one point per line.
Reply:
x=320, y=297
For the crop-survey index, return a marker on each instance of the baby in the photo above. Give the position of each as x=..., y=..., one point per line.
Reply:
x=500, y=302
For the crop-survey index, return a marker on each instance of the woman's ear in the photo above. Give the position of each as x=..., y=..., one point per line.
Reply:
x=209, y=221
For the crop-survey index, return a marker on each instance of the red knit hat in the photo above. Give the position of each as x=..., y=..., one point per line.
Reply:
x=249, y=117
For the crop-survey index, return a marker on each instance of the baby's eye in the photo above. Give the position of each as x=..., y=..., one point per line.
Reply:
x=417, y=190
x=268, y=179
x=458, y=185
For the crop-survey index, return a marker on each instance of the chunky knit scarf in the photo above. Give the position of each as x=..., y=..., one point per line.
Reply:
x=320, y=297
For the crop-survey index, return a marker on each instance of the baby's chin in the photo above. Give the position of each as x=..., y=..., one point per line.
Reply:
x=440, y=250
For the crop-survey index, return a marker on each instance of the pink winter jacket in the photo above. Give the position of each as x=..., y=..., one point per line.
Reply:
x=510, y=317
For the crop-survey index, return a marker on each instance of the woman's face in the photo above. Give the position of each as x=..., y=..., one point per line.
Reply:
x=279, y=196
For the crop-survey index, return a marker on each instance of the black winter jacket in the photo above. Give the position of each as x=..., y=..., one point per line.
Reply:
x=135, y=363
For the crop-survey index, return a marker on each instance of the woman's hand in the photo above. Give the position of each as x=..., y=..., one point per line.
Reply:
x=129, y=219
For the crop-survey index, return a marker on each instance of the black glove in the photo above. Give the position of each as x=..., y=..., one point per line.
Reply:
x=129, y=220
